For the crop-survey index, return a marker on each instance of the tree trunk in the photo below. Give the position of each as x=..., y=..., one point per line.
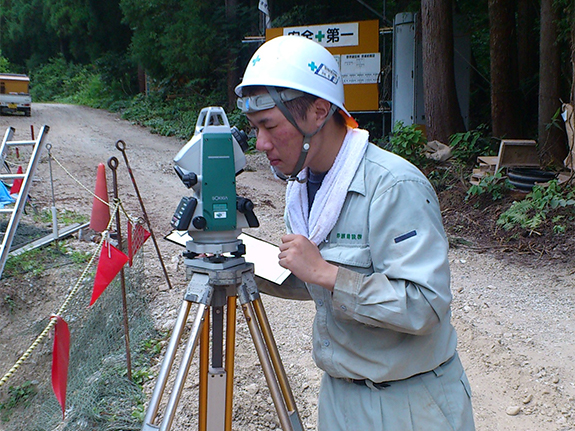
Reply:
x=141, y=79
x=442, y=112
x=505, y=93
x=572, y=45
x=551, y=138
x=528, y=62
x=233, y=77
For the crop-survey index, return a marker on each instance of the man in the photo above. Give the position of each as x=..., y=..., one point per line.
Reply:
x=366, y=243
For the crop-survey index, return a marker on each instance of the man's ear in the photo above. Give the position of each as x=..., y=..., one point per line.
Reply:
x=320, y=111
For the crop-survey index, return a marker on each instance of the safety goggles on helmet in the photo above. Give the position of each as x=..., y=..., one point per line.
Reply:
x=261, y=102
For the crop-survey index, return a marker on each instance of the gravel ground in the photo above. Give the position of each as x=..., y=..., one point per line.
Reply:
x=514, y=320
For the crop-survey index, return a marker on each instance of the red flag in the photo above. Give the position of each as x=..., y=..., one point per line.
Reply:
x=137, y=236
x=17, y=184
x=60, y=360
x=111, y=262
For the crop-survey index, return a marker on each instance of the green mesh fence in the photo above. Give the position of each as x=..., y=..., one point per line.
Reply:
x=99, y=396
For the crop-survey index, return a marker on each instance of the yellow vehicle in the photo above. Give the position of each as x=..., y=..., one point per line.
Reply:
x=15, y=94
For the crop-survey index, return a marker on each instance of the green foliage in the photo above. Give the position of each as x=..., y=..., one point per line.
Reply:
x=566, y=15
x=531, y=212
x=306, y=14
x=65, y=82
x=118, y=73
x=238, y=119
x=557, y=227
x=27, y=39
x=79, y=257
x=174, y=116
x=91, y=91
x=26, y=263
x=64, y=216
x=82, y=31
x=556, y=121
x=17, y=396
x=10, y=303
x=468, y=145
x=408, y=142
x=444, y=177
x=153, y=346
x=494, y=185
x=34, y=262
x=4, y=65
x=56, y=80
x=165, y=117
x=139, y=412
x=141, y=375
x=174, y=42
x=87, y=29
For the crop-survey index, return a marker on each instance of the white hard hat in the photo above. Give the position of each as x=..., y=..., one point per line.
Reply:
x=299, y=63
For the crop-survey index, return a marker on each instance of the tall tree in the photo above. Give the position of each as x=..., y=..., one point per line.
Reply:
x=528, y=60
x=232, y=58
x=442, y=112
x=27, y=40
x=572, y=47
x=551, y=137
x=69, y=19
x=175, y=42
x=505, y=91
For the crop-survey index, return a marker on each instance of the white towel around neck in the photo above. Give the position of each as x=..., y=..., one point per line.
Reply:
x=329, y=199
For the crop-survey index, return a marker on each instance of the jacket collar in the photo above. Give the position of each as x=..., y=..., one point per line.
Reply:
x=358, y=182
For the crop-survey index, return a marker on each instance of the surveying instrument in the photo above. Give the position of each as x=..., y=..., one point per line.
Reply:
x=219, y=276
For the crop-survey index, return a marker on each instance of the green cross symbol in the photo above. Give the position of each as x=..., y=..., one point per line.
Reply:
x=312, y=66
x=319, y=36
x=255, y=60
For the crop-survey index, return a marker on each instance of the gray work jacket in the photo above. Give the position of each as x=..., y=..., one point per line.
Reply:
x=388, y=317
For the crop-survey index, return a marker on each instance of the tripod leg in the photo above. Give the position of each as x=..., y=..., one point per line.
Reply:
x=266, y=347
x=166, y=367
x=277, y=363
x=216, y=382
x=204, y=366
x=230, y=354
x=288, y=420
x=184, y=368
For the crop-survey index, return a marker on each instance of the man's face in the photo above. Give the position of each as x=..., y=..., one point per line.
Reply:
x=278, y=138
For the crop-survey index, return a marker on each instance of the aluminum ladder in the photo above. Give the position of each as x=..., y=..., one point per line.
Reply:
x=15, y=212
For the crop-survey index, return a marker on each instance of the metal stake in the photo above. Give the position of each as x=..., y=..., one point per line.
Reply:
x=121, y=145
x=113, y=164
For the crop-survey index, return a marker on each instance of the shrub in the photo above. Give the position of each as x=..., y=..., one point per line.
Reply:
x=408, y=142
x=494, y=185
x=468, y=145
x=64, y=82
x=4, y=65
x=531, y=212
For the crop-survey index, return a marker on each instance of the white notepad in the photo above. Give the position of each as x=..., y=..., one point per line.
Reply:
x=262, y=254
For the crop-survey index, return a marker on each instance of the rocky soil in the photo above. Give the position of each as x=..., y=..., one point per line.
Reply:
x=514, y=312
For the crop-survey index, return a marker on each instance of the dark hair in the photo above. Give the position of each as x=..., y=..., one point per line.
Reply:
x=299, y=106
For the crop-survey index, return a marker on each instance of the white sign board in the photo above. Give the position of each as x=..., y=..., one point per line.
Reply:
x=328, y=35
x=360, y=68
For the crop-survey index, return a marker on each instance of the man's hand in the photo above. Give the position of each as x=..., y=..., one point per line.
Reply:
x=303, y=259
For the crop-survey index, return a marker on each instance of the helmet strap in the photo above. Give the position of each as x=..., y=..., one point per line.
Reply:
x=306, y=136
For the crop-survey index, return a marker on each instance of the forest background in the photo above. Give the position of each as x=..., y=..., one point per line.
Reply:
x=103, y=53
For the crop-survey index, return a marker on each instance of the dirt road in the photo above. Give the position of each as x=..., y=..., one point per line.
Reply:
x=515, y=323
